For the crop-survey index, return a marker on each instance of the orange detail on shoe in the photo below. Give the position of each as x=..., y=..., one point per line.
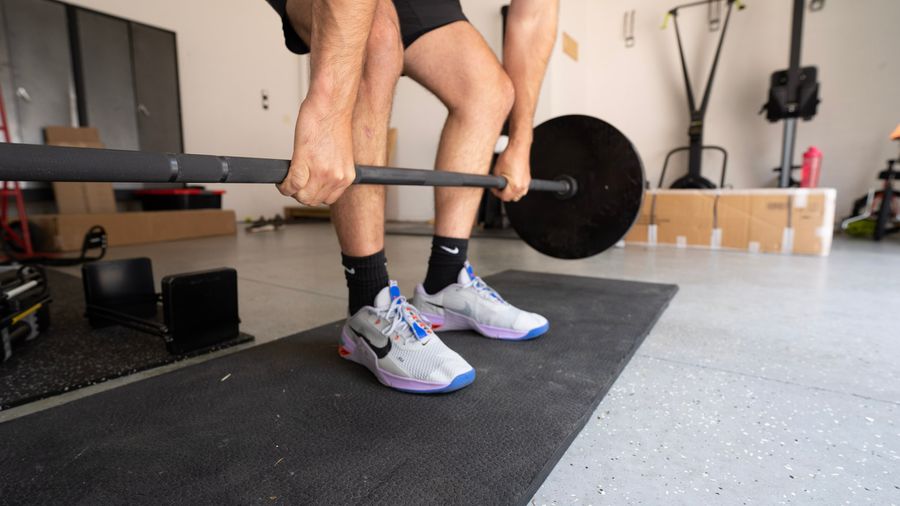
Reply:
x=343, y=351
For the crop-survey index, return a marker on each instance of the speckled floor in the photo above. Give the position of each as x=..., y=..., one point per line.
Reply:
x=769, y=380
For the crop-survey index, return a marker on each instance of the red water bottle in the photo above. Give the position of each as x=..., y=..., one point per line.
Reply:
x=812, y=162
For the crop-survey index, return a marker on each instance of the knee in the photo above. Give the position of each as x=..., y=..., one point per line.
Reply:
x=487, y=96
x=384, y=55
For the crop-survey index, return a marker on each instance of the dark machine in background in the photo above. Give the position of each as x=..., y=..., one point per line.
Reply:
x=793, y=93
x=877, y=214
x=694, y=178
x=24, y=306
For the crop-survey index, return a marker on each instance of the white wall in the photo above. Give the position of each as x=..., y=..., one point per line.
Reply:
x=228, y=51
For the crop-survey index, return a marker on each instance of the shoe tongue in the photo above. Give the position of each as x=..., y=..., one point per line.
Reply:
x=466, y=274
x=387, y=295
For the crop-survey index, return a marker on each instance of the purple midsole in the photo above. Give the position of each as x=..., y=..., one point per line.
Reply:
x=456, y=321
x=385, y=377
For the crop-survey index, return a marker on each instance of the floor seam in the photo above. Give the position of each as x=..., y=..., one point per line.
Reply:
x=765, y=378
x=292, y=288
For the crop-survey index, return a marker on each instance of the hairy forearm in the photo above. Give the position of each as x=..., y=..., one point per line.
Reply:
x=339, y=32
x=530, y=34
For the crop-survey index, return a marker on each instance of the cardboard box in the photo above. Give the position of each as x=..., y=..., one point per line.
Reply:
x=640, y=232
x=790, y=221
x=812, y=216
x=732, y=220
x=80, y=198
x=65, y=232
x=684, y=221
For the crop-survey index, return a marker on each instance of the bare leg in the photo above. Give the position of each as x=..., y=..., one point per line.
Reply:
x=358, y=216
x=456, y=64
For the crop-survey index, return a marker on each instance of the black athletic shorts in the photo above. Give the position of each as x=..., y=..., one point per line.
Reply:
x=417, y=17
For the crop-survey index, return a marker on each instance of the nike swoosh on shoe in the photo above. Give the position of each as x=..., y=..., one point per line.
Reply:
x=380, y=351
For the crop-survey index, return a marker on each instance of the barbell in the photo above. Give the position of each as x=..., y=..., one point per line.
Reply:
x=586, y=193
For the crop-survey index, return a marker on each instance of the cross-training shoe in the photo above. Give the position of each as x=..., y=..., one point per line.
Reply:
x=393, y=340
x=471, y=304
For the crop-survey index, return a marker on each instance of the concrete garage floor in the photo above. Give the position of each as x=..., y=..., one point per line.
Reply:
x=769, y=380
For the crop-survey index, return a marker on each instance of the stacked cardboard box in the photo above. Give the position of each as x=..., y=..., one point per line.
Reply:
x=65, y=232
x=790, y=221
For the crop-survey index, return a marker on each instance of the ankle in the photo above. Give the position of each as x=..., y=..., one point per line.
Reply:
x=448, y=257
x=366, y=276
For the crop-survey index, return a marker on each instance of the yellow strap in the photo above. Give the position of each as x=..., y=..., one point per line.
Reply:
x=27, y=312
x=665, y=23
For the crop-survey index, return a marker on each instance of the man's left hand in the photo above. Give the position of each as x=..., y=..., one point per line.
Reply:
x=514, y=164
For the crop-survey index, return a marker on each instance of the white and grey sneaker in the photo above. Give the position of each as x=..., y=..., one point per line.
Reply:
x=394, y=342
x=471, y=304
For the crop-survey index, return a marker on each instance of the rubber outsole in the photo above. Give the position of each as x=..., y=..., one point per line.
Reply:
x=459, y=382
x=462, y=322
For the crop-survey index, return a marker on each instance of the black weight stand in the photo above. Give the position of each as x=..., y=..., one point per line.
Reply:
x=884, y=218
x=200, y=309
x=24, y=307
x=793, y=93
x=694, y=179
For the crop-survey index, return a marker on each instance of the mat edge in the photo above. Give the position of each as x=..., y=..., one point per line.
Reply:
x=544, y=473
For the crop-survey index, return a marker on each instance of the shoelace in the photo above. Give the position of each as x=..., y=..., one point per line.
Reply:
x=400, y=314
x=484, y=290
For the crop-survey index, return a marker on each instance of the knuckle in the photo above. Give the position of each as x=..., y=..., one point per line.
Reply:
x=295, y=183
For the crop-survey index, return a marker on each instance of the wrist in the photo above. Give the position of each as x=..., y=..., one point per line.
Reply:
x=519, y=145
x=325, y=111
x=328, y=102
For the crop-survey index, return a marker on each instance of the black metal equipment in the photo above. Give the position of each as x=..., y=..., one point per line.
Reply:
x=24, y=307
x=94, y=239
x=793, y=93
x=565, y=180
x=694, y=179
x=199, y=309
x=609, y=178
x=886, y=212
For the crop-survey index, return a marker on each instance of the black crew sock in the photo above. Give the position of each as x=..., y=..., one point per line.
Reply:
x=448, y=256
x=366, y=276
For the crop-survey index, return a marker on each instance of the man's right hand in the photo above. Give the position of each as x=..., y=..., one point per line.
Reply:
x=322, y=164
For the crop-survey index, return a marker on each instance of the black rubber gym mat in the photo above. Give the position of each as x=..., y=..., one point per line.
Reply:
x=71, y=355
x=289, y=422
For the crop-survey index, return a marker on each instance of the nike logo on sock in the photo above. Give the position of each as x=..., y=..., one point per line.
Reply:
x=350, y=271
x=452, y=251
